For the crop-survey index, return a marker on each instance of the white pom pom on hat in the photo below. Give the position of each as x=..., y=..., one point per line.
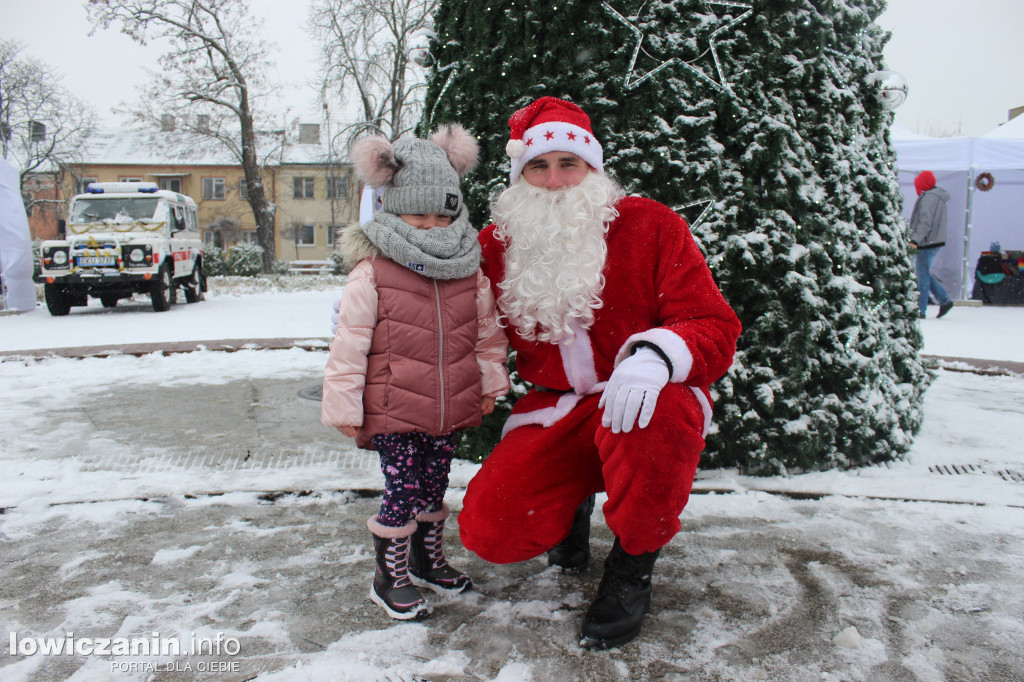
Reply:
x=515, y=148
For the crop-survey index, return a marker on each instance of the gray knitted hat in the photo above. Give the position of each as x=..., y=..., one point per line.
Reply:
x=418, y=176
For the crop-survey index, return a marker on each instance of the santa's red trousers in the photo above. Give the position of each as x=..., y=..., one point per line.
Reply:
x=521, y=502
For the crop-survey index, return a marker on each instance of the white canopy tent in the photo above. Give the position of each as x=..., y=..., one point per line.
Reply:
x=976, y=218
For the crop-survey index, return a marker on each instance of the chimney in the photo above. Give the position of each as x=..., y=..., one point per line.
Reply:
x=167, y=122
x=309, y=133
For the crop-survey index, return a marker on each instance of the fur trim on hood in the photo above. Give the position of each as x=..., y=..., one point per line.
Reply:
x=356, y=246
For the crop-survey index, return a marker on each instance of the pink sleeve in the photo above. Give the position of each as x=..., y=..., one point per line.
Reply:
x=491, y=345
x=345, y=373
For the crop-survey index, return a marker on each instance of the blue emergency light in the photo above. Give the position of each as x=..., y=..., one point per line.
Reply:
x=121, y=188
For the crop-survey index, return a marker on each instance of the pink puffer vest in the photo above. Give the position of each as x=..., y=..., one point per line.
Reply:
x=422, y=373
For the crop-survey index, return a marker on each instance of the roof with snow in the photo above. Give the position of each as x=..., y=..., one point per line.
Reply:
x=157, y=147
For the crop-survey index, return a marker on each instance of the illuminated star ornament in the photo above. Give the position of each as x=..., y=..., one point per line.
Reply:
x=722, y=84
x=708, y=204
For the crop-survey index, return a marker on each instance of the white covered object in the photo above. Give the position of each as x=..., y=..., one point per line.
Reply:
x=15, y=243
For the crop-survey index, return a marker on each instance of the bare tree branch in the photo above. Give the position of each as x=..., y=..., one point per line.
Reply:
x=364, y=46
x=42, y=126
x=213, y=76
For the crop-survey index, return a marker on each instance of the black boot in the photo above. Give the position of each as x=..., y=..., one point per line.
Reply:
x=617, y=612
x=573, y=553
x=392, y=589
x=428, y=566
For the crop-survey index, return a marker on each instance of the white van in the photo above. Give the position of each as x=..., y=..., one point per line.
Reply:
x=125, y=238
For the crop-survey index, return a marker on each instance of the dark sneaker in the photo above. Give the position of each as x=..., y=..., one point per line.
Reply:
x=945, y=308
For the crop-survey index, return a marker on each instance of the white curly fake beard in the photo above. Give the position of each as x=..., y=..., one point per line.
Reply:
x=554, y=256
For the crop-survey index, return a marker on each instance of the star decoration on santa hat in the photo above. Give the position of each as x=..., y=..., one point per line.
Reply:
x=721, y=83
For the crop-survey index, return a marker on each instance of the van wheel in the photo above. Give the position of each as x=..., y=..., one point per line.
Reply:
x=193, y=286
x=57, y=302
x=109, y=300
x=162, y=292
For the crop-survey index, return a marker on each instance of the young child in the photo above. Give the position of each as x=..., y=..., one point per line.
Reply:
x=417, y=355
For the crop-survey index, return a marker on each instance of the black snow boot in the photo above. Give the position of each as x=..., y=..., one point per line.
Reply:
x=428, y=566
x=623, y=597
x=573, y=553
x=392, y=589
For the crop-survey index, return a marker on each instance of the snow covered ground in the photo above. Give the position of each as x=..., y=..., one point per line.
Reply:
x=119, y=521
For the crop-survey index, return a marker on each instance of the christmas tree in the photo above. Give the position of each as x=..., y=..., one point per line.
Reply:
x=759, y=122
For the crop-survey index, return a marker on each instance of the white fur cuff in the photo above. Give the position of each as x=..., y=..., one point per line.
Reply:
x=670, y=344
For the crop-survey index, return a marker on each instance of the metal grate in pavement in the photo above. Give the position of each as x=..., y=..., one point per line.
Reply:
x=248, y=460
x=1008, y=475
x=1011, y=476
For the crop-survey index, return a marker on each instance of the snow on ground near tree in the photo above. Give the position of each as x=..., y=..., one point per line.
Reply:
x=757, y=586
x=239, y=308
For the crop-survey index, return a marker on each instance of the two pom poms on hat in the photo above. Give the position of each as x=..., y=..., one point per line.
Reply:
x=375, y=162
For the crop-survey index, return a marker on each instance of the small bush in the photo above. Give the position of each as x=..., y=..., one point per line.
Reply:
x=280, y=267
x=214, y=264
x=337, y=263
x=245, y=260
x=37, y=254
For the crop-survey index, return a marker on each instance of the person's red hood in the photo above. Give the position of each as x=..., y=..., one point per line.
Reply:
x=924, y=181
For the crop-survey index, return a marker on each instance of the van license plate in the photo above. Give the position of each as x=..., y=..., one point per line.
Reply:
x=94, y=261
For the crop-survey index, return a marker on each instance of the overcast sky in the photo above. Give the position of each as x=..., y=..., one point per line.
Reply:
x=962, y=59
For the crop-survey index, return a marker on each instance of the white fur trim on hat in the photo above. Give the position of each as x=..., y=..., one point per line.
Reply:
x=557, y=136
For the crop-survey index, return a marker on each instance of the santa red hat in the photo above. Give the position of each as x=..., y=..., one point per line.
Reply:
x=547, y=125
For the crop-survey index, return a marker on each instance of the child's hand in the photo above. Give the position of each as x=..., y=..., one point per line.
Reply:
x=349, y=431
x=486, y=406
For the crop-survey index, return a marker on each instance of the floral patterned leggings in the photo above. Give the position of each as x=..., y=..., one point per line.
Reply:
x=415, y=467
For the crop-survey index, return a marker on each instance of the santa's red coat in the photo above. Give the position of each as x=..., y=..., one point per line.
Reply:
x=555, y=452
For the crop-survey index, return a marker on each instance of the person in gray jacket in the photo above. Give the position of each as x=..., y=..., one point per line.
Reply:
x=928, y=234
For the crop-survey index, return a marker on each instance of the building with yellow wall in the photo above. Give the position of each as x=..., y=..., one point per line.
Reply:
x=314, y=193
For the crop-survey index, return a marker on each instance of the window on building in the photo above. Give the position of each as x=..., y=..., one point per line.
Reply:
x=243, y=189
x=128, y=178
x=82, y=183
x=337, y=188
x=249, y=237
x=302, y=188
x=213, y=188
x=305, y=235
x=171, y=184
x=332, y=232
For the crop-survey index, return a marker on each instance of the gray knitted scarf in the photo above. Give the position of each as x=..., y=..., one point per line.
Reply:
x=439, y=253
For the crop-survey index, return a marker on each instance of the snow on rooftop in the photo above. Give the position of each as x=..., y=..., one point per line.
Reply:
x=129, y=147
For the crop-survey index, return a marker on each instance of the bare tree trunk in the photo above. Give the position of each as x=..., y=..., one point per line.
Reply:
x=262, y=210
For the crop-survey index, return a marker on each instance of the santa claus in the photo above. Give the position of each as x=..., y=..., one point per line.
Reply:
x=620, y=327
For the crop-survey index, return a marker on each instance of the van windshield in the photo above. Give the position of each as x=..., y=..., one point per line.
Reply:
x=118, y=210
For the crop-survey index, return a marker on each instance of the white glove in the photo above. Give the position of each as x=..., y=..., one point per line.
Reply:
x=334, y=318
x=633, y=390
